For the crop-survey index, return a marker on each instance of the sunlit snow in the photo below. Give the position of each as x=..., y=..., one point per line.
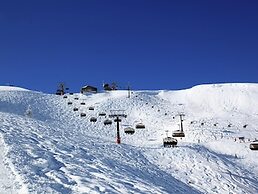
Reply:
x=46, y=147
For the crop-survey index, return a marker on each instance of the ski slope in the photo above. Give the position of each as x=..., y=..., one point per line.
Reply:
x=54, y=150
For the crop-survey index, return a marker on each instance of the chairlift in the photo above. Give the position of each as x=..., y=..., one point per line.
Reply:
x=93, y=119
x=140, y=126
x=118, y=120
x=178, y=133
x=59, y=92
x=169, y=142
x=69, y=103
x=102, y=114
x=75, y=109
x=129, y=130
x=83, y=115
x=91, y=108
x=107, y=122
x=117, y=113
x=254, y=145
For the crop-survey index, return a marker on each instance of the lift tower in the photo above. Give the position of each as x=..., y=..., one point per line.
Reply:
x=117, y=115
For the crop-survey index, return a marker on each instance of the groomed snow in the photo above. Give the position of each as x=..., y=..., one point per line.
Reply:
x=54, y=150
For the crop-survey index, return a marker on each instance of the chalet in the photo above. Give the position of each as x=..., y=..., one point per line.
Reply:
x=88, y=89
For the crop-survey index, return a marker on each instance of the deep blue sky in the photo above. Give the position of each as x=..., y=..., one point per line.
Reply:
x=152, y=44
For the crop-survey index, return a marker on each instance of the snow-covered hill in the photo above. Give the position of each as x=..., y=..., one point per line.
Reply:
x=46, y=147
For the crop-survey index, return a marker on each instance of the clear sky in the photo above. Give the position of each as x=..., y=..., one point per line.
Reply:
x=151, y=44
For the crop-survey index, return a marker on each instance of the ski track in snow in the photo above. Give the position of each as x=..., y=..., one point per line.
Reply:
x=57, y=151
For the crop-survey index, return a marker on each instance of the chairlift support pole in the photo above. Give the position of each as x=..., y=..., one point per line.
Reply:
x=181, y=121
x=62, y=88
x=118, y=139
x=129, y=91
x=117, y=120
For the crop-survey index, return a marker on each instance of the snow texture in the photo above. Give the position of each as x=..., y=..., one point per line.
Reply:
x=55, y=150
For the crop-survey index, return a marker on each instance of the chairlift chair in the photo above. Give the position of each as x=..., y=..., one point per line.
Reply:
x=93, y=119
x=178, y=133
x=102, y=114
x=254, y=145
x=169, y=142
x=129, y=130
x=140, y=126
x=83, y=115
x=107, y=122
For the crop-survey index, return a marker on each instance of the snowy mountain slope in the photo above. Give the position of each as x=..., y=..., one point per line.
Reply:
x=52, y=161
x=57, y=151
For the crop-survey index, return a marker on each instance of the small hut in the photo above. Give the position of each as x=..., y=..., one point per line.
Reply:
x=88, y=89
